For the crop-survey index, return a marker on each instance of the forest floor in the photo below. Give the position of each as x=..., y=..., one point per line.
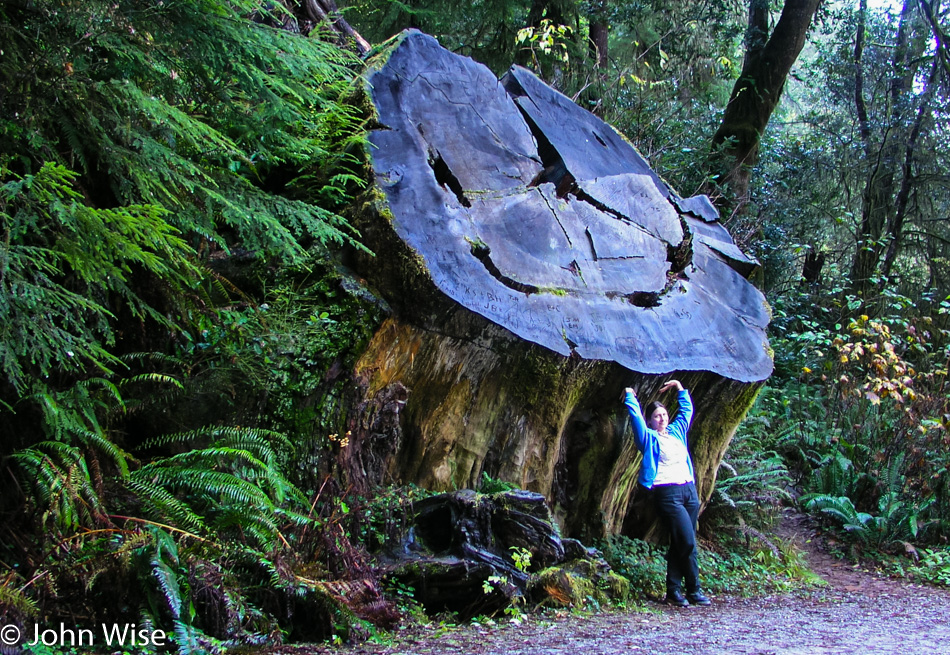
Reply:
x=856, y=612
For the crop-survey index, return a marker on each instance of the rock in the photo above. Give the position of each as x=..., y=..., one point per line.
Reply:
x=535, y=266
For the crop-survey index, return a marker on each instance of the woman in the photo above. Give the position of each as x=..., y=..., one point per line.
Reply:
x=668, y=472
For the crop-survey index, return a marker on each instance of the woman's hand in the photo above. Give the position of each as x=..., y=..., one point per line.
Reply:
x=629, y=390
x=669, y=385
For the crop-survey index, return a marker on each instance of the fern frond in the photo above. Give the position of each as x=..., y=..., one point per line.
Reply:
x=15, y=598
x=152, y=357
x=212, y=484
x=215, y=434
x=58, y=479
x=253, y=559
x=164, y=505
x=158, y=378
x=213, y=457
x=168, y=583
x=254, y=523
x=104, y=445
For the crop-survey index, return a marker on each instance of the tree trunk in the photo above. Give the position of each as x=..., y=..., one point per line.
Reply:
x=888, y=185
x=552, y=10
x=599, y=28
x=895, y=226
x=756, y=94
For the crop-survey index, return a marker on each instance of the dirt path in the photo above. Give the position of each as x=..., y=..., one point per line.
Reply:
x=857, y=613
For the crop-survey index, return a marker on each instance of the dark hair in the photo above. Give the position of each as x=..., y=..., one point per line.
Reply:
x=652, y=407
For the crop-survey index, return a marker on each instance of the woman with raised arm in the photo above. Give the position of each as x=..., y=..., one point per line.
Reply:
x=667, y=471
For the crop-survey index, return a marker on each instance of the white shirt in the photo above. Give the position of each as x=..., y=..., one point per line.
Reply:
x=673, y=467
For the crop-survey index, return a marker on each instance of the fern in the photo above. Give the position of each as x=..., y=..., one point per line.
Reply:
x=12, y=597
x=162, y=562
x=73, y=415
x=60, y=484
x=259, y=438
x=161, y=503
x=842, y=510
x=231, y=486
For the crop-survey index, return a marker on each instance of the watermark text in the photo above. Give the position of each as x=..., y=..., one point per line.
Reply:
x=108, y=634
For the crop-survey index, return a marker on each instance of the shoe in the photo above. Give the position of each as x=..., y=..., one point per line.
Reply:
x=697, y=598
x=676, y=597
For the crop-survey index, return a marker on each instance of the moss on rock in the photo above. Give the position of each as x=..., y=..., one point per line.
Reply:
x=577, y=584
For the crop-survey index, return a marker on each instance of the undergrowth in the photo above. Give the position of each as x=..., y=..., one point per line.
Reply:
x=738, y=572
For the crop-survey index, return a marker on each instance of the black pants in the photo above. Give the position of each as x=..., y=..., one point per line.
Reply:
x=678, y=507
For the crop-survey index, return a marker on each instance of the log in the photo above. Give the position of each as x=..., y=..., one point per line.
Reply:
x=457, y=554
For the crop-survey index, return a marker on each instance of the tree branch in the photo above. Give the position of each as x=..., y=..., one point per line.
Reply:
x=326, y=11
x=859, y=101
x=939, y=34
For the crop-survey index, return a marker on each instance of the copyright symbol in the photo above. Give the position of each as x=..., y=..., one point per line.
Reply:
x=10, y=635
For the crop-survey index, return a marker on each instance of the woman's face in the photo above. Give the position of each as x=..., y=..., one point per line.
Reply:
x=659, y=419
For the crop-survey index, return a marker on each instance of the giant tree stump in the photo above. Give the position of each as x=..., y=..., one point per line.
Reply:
x=536, y=266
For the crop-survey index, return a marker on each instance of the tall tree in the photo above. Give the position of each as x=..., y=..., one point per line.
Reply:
x=757, y=92
x=861, y=174
x=132, y=132
x=893, y=156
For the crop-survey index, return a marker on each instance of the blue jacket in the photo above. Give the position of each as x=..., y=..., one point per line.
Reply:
x=646, y=438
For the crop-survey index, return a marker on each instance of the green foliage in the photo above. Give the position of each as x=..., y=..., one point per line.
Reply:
x=857, y=413
x=753, y=479
x=183, y=105
x=764, y=570
x=934, y=566
x=643, y=564
x=842, y=510
x=143, y=145
x=13, y=598
x=405, y=599
x=50, y=236
x=521, y=557
x=547, y=40
x=486, y=30
x=898, y=519
x=884, y=435
x=194, y=539
x=139, y=139
x=161, y=560
x=489, y=485
x=59, y=483
x=385, y=517
x=233, y=487
x=744, y=572
x=671, y=70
